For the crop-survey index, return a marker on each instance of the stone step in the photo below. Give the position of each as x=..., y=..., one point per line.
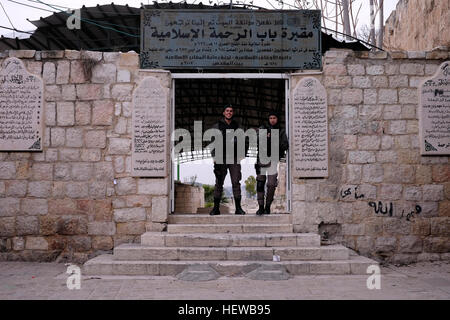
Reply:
x=230, y=228
x=105, y=265
x=134, y=251
x=164, y=239
x=229, y=219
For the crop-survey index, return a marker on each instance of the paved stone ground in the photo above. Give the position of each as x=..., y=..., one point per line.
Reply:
x=25, y=280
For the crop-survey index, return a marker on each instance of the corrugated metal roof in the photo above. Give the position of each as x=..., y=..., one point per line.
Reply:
x=112, y=28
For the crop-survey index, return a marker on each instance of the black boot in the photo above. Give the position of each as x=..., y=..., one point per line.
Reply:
x=267, y=208
x=215, y=211
x=238, y=206
x=260, y=210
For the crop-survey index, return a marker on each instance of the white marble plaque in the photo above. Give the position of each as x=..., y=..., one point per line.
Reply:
x=150, y=129
x=309, y=129
x=21, y=108
x=434, y=113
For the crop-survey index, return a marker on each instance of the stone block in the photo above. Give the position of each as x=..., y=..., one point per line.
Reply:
x=352, y=96
x=91, y=155
x=356, y=69
x=122, y=92
x=126, y=186
x=50, y=113
x=104, y=73
x=361, y=157
x=16, y=188
x=72, y=54
x=412, y=68
x=49, y=73
x=387, y=96
x=27, y=225
x=62, y=171
x=353, y=229
x=369, y=142
x=398, y=81
x=407, y=96
x=444, y=208
x=18, y=243
x=74, y=137
x=440, y=227
x=119, y=146
x=385, y=244
x=77, y=190
x=372, y=173
x=130, y=214
x=82, y=113
x=397, y=127
x=375, y=70
x=52, y=93
x=89, y=91
x=36, y=243
x=433, y=192
x=436, y=244
x=102, y=112
x=391, y=191
x=40, y=189
x=7, y=170
x=72, y=225
x=7, y=226
x=102, y=243
x=129, y=59
x=65, y=113
x=102, y=228
x=160, y=209
x=34, y=207
x=52, y=54
x=80, y=243
x=63, y=72
x=82, y=171
x=123, y=75
x=441, y=173
x=131, y=228
x=95, y=139
x=103, y=171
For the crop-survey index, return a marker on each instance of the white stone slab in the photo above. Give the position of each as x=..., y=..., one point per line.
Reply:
x=150, y=129
x=434, y=113
x=309, y=129
x=21, y=108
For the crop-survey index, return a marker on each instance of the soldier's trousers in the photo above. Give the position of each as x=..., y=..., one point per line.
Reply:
x=220, y=171
x=272, y=183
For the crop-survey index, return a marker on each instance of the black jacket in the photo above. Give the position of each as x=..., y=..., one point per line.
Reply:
x=223, y=126
x=283, y=142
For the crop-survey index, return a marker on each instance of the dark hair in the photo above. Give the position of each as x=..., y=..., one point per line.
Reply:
x=274, y=113
x=228, y=105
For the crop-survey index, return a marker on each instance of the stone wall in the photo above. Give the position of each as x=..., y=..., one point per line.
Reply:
x=418, y=25
x=373, y=125
x=77, y=197
x=188, y=198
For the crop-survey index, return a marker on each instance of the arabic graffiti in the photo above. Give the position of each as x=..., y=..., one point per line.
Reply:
x=241, y=39
x=347, y=192
x=379, y=208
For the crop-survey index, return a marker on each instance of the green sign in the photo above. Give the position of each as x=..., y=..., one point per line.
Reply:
x=232, y=39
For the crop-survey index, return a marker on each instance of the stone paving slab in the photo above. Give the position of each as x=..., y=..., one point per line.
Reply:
x=28, y=280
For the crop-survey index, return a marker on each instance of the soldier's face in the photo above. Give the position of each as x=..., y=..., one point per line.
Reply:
x=273, y=120
x=228, y=113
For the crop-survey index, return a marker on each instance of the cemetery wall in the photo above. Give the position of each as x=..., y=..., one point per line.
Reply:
x=78, y=198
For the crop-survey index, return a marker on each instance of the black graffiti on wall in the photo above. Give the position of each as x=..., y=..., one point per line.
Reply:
x=347, y=192
x=389, y=209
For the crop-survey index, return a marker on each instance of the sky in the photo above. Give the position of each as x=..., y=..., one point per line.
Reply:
x=202, y=169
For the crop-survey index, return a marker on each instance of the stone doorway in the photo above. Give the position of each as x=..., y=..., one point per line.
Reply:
x=200, y=97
